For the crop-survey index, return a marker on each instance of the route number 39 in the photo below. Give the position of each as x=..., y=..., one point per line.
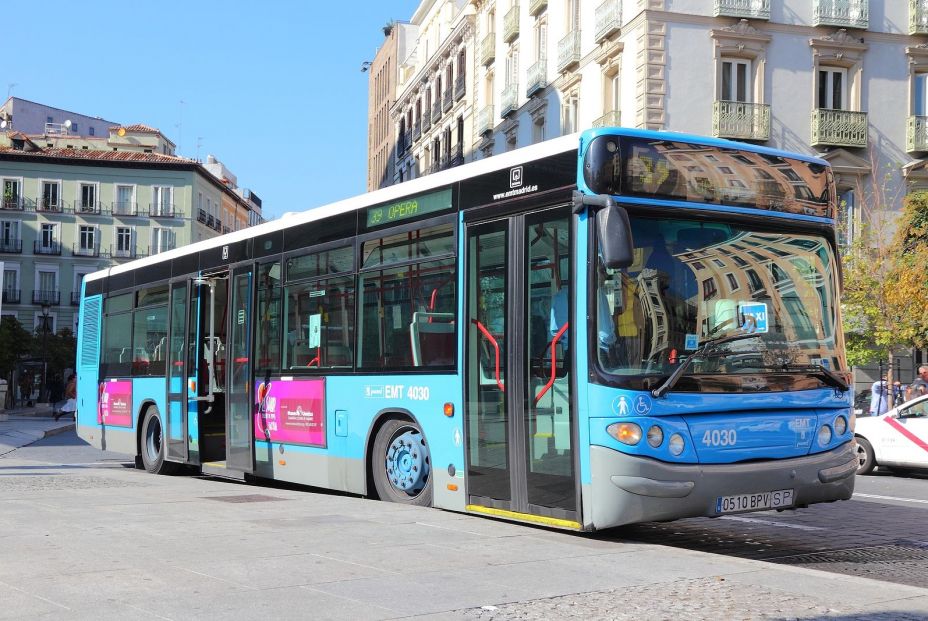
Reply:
x=720, y=437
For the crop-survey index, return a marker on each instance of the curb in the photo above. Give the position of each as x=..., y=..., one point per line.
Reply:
x=59, y=430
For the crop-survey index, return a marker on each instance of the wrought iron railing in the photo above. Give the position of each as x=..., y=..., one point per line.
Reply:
x=52, y=298
x=436, y=111
x=840, y=128
x=11, y=246
x=417, y=130
x=48, y=205
x=511, y=24
x=916, y=135
x=162, y=210
x=12, y=296
x=14, y=204
x=485, y=120
x=460, y=86
x=426, y=120
x=509, y=102
x=740, y=120
x=750, y=9
x=123, y=253
x=537, y=77
x=85, y=207
x=75, y=298
x=613, y=118
x=608, y=19
x=125, y=208
x=78, y=250
x=918, y=17
x=448, y=100
x=488, y=49
x=568, y=50
x=841, y=13
x=50, y=248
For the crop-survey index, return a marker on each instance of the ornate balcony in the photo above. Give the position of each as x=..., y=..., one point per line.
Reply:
x=841, y=13
x=82, y=251
x=436, y=111
x=608, y=19
x=741, y=121
x=839, y=128
x=568, y=50
x=13, y=203
x=612, y=118
x=417, y=130
x=426, y=121
x=510, y=99
x=916, y=135
x=488, y=49
x=460, y=86
x=918, y=17
x=88, y=208
x=161, y=210
x=537, y=77
x=50, y=248
x=48, y=205
x=485, y=120
x=75, y=298
x=749, y=9
x=447, y=102
x=537, y=6
x=11, y=246
x=52, y=298
x=511, y=24
x=201, y=215
x=11, y=296
x=124, y=253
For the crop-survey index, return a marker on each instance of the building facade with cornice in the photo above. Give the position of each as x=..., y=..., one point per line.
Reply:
x=843, y=79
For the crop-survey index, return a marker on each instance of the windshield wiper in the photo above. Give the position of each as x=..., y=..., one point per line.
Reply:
x=827, y=376
x=704, y=348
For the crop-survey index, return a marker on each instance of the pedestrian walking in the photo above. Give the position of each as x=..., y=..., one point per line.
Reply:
x=879, y=398
x=70, y=395
x=919, y=385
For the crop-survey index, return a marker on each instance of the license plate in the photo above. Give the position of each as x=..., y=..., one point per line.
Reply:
x=754, y=502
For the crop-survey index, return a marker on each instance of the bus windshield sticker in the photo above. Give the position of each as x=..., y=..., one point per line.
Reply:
x=292, y=412
x=315, y=328
x=754, y=317
x=115, y=408
x=409, y=208
x=692, y=342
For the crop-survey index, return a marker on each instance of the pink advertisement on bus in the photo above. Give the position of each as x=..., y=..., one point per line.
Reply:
x=291, y=411
x=115, y=405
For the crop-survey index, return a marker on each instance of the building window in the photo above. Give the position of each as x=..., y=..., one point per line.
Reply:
x=162, y=200
x=48, y=235
x=91, y=131
x=920, y=94
x=541, y=39
x=571, y=112
x=51, y=195
x=123, y=241
x=9, y=232
x=47, y=281
x=847, y=217
x=88, y=197
x=125, y=199
x=732, y=282
x=162, y=240
x=736, y=80
x=832, y=88
x=11, y=193
x=87, y=238
x=538, y=130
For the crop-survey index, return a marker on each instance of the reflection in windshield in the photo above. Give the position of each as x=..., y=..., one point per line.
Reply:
x=692, y=281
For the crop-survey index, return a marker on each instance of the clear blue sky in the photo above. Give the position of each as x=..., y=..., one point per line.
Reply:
x=273, y=89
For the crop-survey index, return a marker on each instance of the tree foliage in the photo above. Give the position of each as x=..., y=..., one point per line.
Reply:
x=908, y=272
x=15, y=341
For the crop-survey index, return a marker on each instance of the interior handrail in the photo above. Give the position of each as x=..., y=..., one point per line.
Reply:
x=489, y=337
x=553, y=346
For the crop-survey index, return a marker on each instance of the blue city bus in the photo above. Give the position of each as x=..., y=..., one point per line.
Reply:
x=606, y=328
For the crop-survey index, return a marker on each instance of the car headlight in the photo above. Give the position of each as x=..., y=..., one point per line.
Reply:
x=676, y=444
x=655, y=436
x=626, y=433
x=824, y=435
x=840, y=426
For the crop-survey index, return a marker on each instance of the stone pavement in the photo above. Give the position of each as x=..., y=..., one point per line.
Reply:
x=23, y=426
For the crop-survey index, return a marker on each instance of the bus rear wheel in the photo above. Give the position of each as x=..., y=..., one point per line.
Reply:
x=152, y=444
x=401, y=464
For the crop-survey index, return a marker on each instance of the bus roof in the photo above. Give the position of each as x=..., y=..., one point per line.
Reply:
x=547, y=148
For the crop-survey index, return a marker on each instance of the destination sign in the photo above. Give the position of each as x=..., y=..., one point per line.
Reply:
x=406, y=209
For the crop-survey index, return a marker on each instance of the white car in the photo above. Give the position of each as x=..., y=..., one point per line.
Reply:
x=897, y=439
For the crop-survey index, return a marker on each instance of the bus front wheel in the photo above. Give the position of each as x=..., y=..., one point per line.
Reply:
x=152, y=444
x=401, y=464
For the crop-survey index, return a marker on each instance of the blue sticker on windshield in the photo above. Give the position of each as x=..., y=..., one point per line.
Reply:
x=642, y=404
x=753, y=317
x=691, y=342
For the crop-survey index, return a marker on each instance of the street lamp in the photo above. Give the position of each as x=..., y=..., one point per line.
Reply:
x=45, y=309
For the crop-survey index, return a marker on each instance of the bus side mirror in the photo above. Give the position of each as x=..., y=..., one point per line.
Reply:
x=615, y=236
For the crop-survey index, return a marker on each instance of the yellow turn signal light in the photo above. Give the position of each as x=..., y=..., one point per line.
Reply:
x=626, y=433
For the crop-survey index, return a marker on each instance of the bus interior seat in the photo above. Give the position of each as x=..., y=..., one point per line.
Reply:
x=431, y=336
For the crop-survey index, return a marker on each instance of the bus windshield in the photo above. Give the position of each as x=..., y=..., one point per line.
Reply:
x=692, y=281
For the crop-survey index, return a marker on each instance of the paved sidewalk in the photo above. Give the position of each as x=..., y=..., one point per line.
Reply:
x=23, y=426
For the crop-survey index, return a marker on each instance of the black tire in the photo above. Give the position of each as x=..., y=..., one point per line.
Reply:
x=401, y=464
x=151, y=444
x=865, y=454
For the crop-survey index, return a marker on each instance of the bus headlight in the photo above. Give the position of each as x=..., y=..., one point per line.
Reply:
x=824, y=435
x=655, y=436
x=626, y=433
x=676, y=444
x=840, y=426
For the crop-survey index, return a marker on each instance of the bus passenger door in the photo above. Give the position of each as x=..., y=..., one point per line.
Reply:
x=176, y=419
x=519, y=426
x=239, y=394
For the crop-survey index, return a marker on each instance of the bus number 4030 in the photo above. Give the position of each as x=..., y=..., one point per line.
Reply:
x=720, y=437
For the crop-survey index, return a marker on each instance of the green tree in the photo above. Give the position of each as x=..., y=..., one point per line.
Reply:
x=15, y=341
x=908, y=272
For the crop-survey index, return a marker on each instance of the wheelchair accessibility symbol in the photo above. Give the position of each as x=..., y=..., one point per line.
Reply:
x=642, y=404
x=629, y=406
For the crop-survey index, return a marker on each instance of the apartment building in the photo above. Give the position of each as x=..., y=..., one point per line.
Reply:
x=30, y=117
x=71, y=205
x=843, y=79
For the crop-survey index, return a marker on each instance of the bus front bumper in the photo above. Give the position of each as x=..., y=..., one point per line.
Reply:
x=627, y=489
